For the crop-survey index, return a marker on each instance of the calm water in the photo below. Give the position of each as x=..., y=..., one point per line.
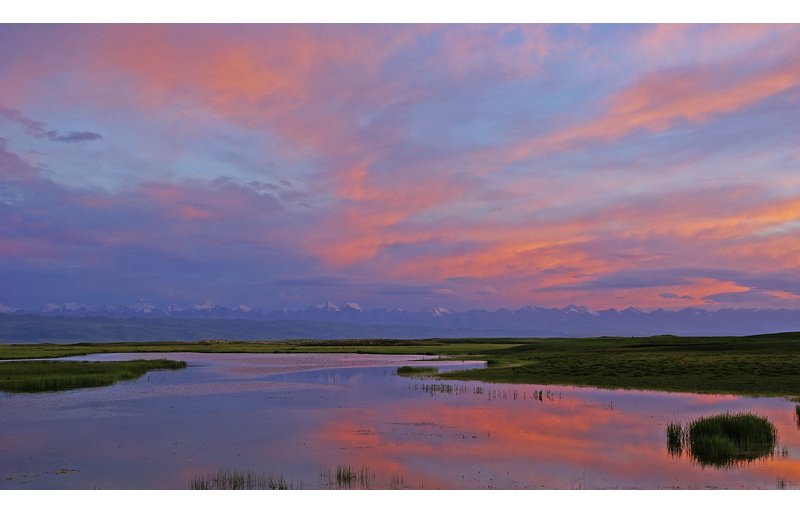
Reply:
x=295, y=415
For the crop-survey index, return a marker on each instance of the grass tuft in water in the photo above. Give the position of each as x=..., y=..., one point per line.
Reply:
x=345, y=477
x=408, y=370
x=236, y=480
x=52, y=376
x=676, y=438
x=723, y=441
x=797, y=415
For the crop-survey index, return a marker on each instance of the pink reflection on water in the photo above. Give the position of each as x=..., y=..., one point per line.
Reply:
x=570, y=442
x=261, y=413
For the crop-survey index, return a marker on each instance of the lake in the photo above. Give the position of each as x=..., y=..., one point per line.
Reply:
x=301, y=418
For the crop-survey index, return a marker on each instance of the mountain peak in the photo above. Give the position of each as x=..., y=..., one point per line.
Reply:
x=144, y=306
x=50, y=307
x=579, y=310
x=435, y=310
x=352, y=306
x=633, y=309
x=71, y=307
x=327, y=306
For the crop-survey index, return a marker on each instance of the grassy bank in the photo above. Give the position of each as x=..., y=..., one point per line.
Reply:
x=445, y=347
x=755, y=365
x=47, y=376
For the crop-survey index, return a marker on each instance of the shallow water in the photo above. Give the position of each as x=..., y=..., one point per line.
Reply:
x=296, y=415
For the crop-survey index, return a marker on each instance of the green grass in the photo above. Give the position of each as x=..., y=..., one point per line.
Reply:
x=675, y=438
x=448, y=347
x=50, y=376
x=407, y=370
x=761, y=365
x=723, y=441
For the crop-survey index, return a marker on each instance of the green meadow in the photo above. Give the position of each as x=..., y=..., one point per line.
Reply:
x=761, y=365
x=51, y=376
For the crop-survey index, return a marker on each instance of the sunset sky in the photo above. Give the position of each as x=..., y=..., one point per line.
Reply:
x=399, y=166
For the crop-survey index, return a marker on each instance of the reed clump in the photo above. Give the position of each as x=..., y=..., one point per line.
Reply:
x=52, y=376
x=408, y=370
x=724, y=441
x=226, y=479
x=346, y=477
x=676, y=438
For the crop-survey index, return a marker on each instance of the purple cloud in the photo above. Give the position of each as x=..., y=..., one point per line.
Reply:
x=73, y=137
x=36, y=128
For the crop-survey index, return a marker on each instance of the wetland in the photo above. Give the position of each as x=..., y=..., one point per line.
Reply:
x=285, y=419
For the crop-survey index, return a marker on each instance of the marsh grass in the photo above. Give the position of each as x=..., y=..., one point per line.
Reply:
x=797, y=415
x=676, y=438
x=397, y=482
x=52, y=376
x=235, y=480
x=723, y=441
x=408, y=370
x=346, y=477
x=759, y=365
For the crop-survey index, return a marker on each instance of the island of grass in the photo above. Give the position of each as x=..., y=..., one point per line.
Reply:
x=52, y=376
x=424, y=370
x=723, y=441
x=759, y=365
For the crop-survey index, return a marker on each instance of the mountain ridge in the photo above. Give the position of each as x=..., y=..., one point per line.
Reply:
x=571, y=320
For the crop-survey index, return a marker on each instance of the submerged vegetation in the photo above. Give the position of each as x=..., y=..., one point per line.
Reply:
x=723, y=441
x=756, y=365
x=49, y=376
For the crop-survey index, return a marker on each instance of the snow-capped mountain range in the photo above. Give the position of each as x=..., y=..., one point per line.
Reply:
x=571, y=320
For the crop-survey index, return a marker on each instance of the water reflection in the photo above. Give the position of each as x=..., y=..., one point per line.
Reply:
x=289, y=416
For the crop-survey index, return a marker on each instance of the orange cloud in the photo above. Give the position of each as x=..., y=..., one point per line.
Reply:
x=664, y=99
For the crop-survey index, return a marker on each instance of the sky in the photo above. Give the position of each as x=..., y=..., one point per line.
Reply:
x=465, y=166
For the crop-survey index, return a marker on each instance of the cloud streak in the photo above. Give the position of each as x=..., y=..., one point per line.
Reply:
x=477, y=166
x=37, y=128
